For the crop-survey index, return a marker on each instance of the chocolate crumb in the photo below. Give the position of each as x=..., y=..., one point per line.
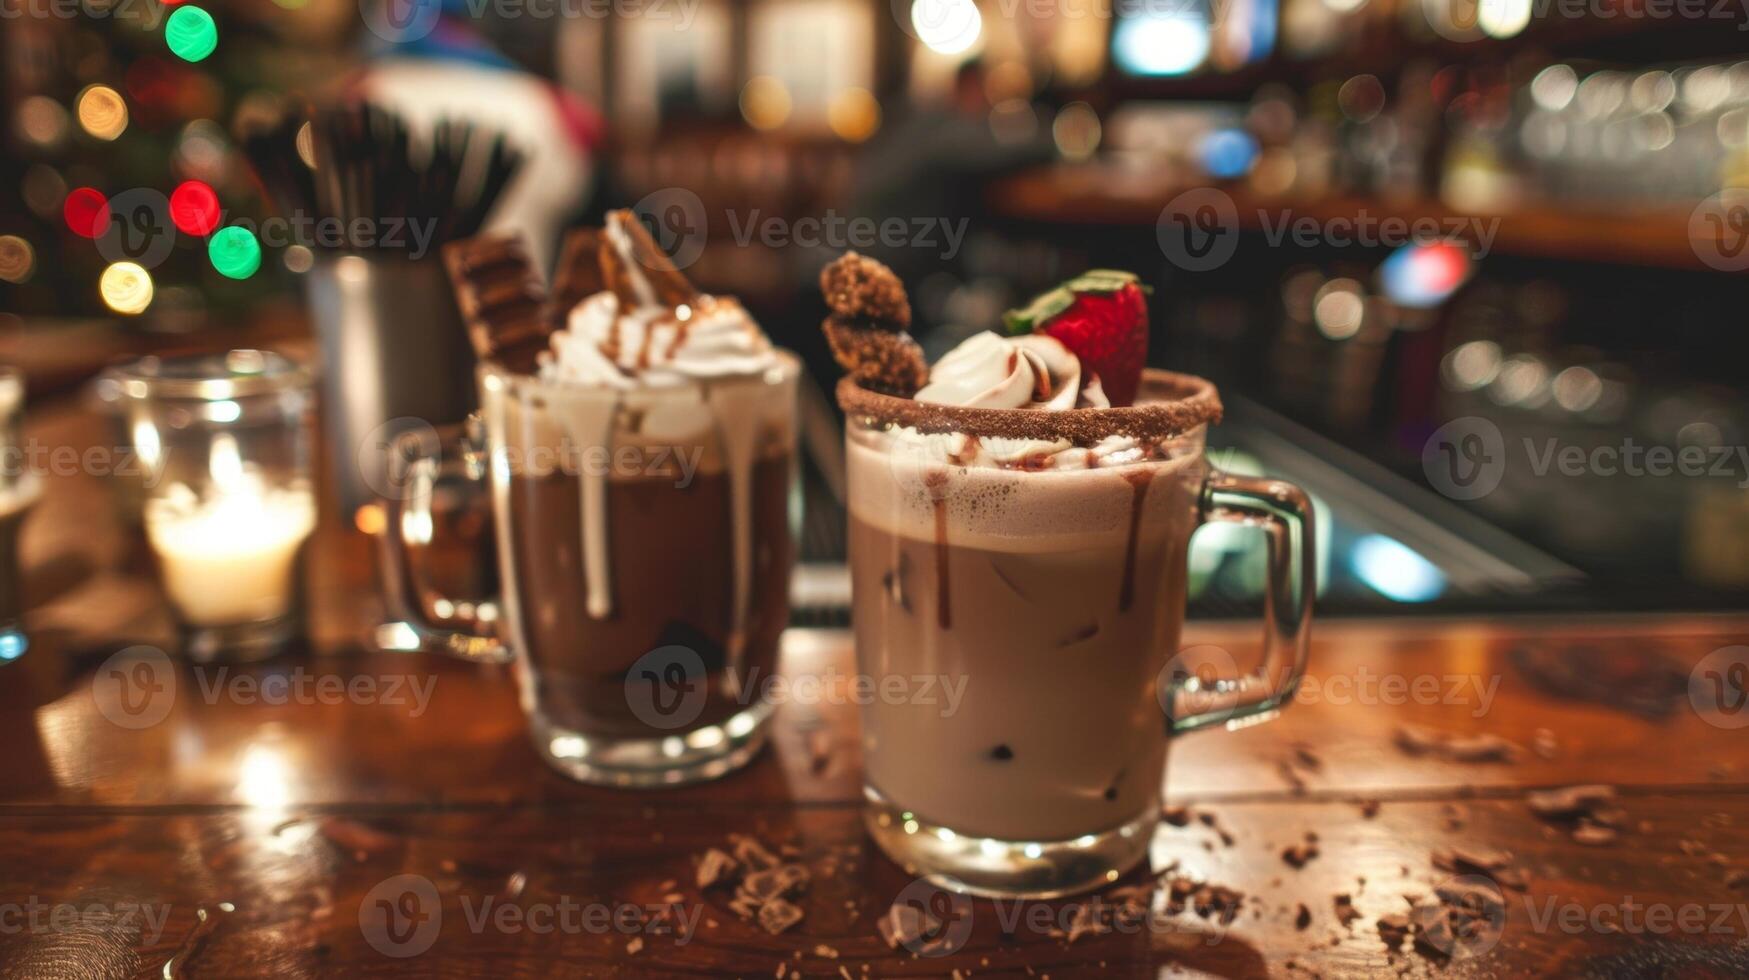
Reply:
x=1346, y=913
x=1593, y=834
x=1177, y=816
x=1369, y=809
x=777, y=915
x=1393, y=929
x=1299, y=855
x=1303, y=918
x=714, y=868
x=1569, y=801
x=1002, y=753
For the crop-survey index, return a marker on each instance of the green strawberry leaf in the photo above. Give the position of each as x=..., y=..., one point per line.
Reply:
x=1042, y=308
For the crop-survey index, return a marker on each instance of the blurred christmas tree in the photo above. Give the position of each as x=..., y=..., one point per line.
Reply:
x=119, y=164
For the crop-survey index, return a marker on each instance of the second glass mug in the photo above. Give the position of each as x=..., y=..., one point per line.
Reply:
x=645, y=544
x=1054, y=599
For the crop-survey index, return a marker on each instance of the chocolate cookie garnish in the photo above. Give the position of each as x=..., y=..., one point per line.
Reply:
x=864, y=292
x=500, y=298
x=1170, y=405
x=879, y=359
x=636, y=268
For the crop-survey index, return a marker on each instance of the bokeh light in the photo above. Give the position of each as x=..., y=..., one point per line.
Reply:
x=40, y=120
x=101, y=111
x=126, y=288
x=17, y=259
x=854, y=115
x=946, y=26
x=1424, y=276
x=191, y=33
x=194, y=208
x=1077, y=131
x=234, y=252
x=86, y=211
x=765, y=102
x=1338, y=309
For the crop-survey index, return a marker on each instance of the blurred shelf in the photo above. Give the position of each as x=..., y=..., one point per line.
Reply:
x=1096, y=194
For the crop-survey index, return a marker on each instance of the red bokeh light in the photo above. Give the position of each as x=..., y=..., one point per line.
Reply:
x=86, y=211
x=194, y=208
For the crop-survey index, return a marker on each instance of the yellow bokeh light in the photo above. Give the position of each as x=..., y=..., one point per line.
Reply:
x=17, y=258
x=126, y=288
x=765, y=102
x=102, y=113
x=854, y=114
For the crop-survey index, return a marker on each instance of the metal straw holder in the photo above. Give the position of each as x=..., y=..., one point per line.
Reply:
x=395, y=357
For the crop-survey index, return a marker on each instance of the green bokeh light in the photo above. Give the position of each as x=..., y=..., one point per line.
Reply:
x=234, y=252
x=191, y=33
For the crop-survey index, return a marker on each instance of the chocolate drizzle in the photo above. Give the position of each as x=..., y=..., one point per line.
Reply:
x=1139, y=481
x=937, y=484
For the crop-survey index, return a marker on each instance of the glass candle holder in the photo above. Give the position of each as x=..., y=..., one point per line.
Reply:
x=229, y=503
x=19, y=489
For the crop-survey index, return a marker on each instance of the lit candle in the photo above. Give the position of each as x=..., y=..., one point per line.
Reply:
x=231, y=558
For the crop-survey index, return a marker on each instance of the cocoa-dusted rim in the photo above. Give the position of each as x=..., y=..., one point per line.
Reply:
x=1177, y=404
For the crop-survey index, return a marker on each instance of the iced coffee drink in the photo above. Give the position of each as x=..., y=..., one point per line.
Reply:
x=1012, y=528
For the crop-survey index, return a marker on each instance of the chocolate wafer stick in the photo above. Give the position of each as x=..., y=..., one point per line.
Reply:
x=630, y=258
x=578, y=275
x=500, y=297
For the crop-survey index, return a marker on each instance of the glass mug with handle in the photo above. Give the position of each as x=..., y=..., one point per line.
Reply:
x=1053, y=596
x=645, y=542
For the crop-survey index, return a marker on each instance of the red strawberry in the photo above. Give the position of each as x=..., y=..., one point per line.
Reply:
x=1101, y=316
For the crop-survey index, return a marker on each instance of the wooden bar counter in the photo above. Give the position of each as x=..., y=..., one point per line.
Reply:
x=253, y=821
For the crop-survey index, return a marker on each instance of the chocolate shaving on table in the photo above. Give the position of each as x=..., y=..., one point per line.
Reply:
x=1483, y=747
x=715, y=868
x=578, y=274
x=1639, y=681
x=500, y=298
x=643, y=264
x=1569, y=801
x=777, y=915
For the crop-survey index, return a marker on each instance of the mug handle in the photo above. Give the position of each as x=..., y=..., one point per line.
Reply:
x=1284, y=512
x=454, y=627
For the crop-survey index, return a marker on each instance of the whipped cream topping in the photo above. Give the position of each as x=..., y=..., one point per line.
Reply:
x=1033, y=371
x=604, y=345
x=989, y=370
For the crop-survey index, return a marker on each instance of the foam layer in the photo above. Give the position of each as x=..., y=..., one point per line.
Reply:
x=896, y=487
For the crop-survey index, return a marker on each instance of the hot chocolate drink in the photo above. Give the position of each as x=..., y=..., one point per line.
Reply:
x=1020, y=532
x=639, y=442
